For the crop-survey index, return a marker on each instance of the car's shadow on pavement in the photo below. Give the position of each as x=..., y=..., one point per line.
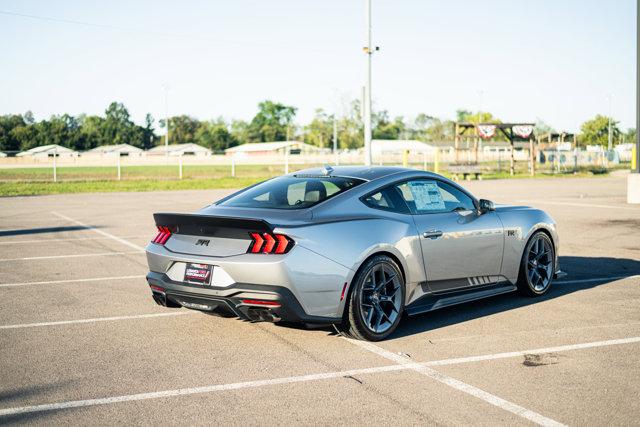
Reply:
x=578, y=268
x=29, y=231
x=588, y=269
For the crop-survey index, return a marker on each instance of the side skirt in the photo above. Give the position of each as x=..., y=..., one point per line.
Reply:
x=433, y=301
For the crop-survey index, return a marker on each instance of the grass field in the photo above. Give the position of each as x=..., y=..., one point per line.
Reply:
x=37, y=181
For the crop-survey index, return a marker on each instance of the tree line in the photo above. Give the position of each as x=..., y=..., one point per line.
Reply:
x=274, y=121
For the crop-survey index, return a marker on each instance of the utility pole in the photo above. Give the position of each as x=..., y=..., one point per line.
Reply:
x=165, y=87
x=610, y=141
x=368, y=50
x=633, y=179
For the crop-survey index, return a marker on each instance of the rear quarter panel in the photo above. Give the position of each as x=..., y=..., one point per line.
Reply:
x=520, y=222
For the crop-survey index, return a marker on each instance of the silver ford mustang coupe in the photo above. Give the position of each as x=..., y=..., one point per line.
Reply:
x=355, y=247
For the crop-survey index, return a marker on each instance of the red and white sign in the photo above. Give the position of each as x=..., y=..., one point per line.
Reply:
x=523, y=131
x=486, y=131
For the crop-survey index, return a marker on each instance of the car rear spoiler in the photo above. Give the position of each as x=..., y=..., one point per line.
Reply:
x=211, y=225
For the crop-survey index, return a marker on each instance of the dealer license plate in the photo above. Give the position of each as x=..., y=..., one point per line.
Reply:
x=198, y=274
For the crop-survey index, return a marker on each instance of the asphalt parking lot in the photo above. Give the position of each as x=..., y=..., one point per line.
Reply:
x=83, y=343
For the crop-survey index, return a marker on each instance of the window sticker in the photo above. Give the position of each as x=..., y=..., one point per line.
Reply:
x=426, y=195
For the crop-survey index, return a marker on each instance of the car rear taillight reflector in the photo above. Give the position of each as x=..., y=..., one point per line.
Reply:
x=264, y=303
x=267, y=243
x=163, y=235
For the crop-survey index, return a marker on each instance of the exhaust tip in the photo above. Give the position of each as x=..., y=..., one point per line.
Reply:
x=262, y=315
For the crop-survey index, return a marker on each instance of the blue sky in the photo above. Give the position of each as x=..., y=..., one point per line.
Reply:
x=549, y=60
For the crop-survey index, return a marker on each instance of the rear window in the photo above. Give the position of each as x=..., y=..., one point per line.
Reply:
x=290, y=192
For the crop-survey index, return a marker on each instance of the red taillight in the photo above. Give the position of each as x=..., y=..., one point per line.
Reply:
x=268, y=243
x=156, y=288
x=163, y=235
x=256, y=244
x=265, y=303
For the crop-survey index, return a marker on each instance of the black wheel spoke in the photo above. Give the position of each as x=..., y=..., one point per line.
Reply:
x=539, y=263
x=379, y=298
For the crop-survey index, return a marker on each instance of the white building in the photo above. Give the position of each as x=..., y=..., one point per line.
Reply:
x=395, y=146
x=180, y=150
x=49, y=151
x=113, y=150
x=272, y=148
x=3, y=154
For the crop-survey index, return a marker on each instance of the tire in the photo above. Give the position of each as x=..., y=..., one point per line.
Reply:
x=376, y=300
x=537, y=266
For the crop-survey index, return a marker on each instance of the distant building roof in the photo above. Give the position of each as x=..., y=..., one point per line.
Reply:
x=177, y=149
x=270, y=146
x=399, y=145
x=118, y=148
x=47, y=149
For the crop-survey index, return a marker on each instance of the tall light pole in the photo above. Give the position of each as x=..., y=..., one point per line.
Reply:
x=165, y=87
x=637, y=169
x=368, y=50
x=633, y=179
x=610, y=140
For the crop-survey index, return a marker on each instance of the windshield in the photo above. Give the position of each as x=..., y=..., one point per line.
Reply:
x=291, y=192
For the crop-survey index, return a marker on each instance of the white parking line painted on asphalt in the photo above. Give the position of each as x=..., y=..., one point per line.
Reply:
x=510, y=354
x=35, y=258
x=585, y=205
x=97, y=230
x=459, y=385
x=95, y=320
x=55, y=282
x=52, y=240
x=286, y=380
x=597, y=279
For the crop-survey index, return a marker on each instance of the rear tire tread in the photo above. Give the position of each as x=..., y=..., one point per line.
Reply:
x=352, y=326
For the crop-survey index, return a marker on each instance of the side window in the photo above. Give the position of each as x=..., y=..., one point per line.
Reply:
x=388, y=199
x=424, y=196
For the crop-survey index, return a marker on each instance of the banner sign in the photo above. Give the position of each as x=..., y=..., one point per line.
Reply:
x=486, y=131
x=523, y=131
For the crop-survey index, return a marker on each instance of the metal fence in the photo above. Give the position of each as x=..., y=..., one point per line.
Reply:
x=116, y=167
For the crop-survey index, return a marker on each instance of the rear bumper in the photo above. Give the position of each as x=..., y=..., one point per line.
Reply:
x=280, y=304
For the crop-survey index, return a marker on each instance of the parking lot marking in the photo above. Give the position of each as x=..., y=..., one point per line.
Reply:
x=286, y=380
x=95, y=320
x=55, y=282
x=54, y=240
x=459, y=385
x=35, y=258
x=97, y=230
x=511, y=354
x=597, y=279
x=196, y=390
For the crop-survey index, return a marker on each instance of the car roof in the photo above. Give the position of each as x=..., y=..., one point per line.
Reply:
x=367, y=173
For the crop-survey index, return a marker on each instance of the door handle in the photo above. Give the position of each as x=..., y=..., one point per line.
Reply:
x=432, y=234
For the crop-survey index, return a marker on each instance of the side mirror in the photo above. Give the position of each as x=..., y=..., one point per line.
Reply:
x=485, y=206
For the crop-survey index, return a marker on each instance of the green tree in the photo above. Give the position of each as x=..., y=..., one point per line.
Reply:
x=629, y=136
x=8, y=124
x=385, y=128
x=350, y=128
x=91, y=131
x=431, y=129
x=240, y=131
x=182, y=129
x=149, y=138
x=320, y=131
x=271, y=122
x=215, y=135
x=596, y=131
x=118, y=128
